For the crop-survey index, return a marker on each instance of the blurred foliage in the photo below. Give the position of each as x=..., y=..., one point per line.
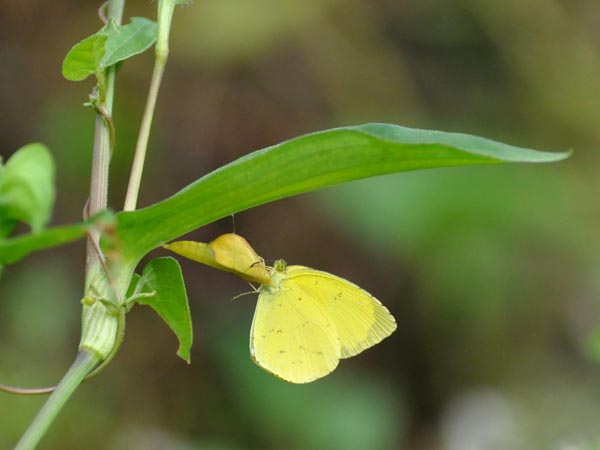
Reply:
x=492, y=273
x=26, y=188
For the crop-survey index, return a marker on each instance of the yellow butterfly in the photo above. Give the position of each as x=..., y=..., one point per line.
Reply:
x=308, y=320
x=229, y=252
x=305, y=320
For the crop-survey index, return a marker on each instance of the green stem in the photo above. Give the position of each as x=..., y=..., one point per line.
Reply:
x=115, y=10
x=98, y=326
x=137, y=167
x=84, y=362
x=164, y=15
x=99, y=329
x=103, y=138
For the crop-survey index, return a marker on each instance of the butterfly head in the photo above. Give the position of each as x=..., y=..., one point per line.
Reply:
x=277, y=274
x=279, y=266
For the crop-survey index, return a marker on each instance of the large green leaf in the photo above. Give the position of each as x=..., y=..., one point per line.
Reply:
x=27, y=188
x=304, y=164
x=163, y=277
x=11, y=250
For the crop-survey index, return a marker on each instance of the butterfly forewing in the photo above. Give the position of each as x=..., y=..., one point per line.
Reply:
x=360, y=319
x=292, y=336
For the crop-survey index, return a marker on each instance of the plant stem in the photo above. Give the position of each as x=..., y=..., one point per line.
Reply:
x=85, y=361
x=102, y=147
x=87, y=358
x=164, y=15
x=137, y=167
x=115, y=10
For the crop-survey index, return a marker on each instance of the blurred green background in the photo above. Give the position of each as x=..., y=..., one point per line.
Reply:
x=492, y=273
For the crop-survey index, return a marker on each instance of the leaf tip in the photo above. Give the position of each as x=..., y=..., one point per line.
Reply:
x=185, y=355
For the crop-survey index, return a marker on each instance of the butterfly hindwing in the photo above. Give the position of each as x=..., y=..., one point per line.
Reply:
x=360, y=319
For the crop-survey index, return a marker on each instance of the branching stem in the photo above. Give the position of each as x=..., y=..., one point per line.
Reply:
x=86, y=359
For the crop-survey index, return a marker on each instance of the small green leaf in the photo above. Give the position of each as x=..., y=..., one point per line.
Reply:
x=84, y=58
x=129, y=40
x=107, y=47
x=27, y=188
x=163, y=276
x=305, y=164
x=12, y=250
